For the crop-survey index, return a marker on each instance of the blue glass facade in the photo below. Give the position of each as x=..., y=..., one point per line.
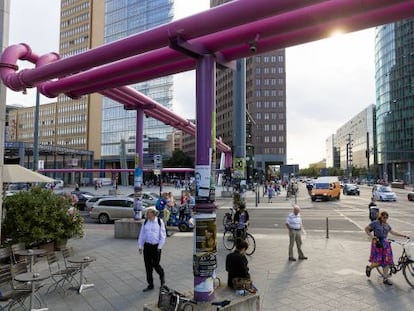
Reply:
x=124, y=18
x=394, y=63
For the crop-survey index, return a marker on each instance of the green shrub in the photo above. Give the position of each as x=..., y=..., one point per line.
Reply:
x=39, y=216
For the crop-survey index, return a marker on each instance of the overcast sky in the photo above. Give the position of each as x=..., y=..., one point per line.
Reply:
x=328, y=81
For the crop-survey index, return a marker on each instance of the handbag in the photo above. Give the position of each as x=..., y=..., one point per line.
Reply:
x=169, y=300
x=244, y=284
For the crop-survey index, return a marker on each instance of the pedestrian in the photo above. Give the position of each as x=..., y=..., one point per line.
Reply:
x=241, y=220
x=150, y=242
x=295, y=226
x=270, y=194
x=381, y=251
x=373, y=210
x=237, y=268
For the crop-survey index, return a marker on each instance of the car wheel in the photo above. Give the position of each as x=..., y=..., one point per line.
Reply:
x=183, y=227
x=103, y=219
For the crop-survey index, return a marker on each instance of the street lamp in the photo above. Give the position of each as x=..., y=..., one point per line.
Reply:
x=385, y=150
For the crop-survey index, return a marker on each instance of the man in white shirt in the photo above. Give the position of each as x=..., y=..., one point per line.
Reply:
x=294, y=225
x=151, y=240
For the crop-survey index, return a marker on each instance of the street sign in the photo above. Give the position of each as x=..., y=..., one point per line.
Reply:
x=157, y=172
x=157, y=161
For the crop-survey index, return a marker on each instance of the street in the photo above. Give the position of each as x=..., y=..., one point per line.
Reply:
x=348, y=216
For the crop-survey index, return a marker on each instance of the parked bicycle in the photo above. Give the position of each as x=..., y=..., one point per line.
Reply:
x=230, y=235
x=405, y=262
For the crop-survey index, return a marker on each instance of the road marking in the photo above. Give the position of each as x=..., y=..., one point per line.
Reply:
x=351, y=221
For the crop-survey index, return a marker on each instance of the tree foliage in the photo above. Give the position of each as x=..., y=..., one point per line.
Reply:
x=179, y=159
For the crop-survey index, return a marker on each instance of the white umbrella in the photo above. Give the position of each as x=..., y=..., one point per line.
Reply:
x=13, y=173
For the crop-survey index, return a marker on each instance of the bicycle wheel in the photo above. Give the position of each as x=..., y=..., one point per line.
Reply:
x=408, y=272
x=228, y=240
x=252, y=244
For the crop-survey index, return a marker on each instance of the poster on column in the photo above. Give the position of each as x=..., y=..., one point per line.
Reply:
x=205, y=259
x=202, y=183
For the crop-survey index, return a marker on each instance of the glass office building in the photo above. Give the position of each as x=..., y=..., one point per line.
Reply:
x=394, y=65
x=124, y=18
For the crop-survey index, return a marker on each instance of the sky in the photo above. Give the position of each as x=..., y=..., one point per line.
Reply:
x=328, y=81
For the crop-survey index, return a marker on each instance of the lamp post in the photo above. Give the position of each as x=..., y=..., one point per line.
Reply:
x=385, y=150
x=36, y=132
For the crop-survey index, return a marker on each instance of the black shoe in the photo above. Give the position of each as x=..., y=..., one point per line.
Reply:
x=387, y=282
x=368, y=271
x=303, y=258
x=148, y=288
x=292, y=259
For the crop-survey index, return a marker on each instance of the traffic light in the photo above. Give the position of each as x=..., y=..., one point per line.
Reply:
x=157, y=161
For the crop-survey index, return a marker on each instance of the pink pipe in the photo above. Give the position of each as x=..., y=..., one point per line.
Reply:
x=157, y=111
x=357, y=22
x=119, y=81
x=349, y=24
x=126, y=70
x=8, y=66
x=110, y=170
x=225, y=16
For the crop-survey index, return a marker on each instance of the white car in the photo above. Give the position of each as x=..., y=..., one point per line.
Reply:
x=58, y=184
x=383, y=193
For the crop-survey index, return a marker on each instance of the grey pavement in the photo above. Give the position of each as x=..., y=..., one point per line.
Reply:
x=332, y=278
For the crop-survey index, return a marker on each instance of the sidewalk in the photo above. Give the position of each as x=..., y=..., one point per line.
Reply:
x=331, y=279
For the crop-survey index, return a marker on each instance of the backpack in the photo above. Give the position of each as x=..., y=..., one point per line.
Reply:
x=159, y=221
x=159, y=206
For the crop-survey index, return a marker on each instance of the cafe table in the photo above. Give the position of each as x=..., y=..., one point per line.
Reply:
x=33, y=278
x=82, y=261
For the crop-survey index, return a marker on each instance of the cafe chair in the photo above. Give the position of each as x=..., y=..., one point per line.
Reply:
x=59, y=275
x=15, y=258
x=67, y=253
x=10, y=297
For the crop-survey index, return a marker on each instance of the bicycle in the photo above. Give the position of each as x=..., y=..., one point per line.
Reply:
x=405, y=262
x=230, y=235
x=172, y=300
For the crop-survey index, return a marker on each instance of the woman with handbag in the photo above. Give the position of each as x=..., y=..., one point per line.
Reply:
x=381, y=251
x=238, y=271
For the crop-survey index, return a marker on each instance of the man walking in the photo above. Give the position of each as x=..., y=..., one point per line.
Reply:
x=151, y=240
x=294, y=225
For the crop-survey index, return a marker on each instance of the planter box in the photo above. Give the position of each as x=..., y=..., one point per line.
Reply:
x=127, y=228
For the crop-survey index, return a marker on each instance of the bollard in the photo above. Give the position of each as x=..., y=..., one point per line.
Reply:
x=256, y=195
x=327, y=228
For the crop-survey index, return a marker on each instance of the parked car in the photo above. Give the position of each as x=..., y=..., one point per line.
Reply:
x=350, y=189
x=57, y=184
x=147, y=197
x=109, y=209
x=383, y=193
x=410, y=196
x=90, y=202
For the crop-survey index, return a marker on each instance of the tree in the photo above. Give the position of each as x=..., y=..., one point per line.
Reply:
x=179, y=159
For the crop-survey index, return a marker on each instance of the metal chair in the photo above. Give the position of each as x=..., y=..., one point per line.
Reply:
x=16, y=258
x=9, y=295
x=60, y=276
x=67, y=253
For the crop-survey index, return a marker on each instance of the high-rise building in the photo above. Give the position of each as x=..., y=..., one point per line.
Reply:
x=265, y=105
x=394, y=75
x=81, y=28
x=122, y=19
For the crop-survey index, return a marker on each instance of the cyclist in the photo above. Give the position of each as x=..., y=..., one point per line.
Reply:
x=241, y=220
x=381, y=251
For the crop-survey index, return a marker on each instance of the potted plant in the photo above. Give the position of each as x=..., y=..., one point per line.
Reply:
x=39, y=216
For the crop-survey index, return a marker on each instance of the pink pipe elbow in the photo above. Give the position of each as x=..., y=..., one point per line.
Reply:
x=8, y=65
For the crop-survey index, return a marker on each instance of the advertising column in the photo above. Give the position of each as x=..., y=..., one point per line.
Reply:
x=205, y=240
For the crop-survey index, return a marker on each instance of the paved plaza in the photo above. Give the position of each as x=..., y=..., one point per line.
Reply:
x=332, y=278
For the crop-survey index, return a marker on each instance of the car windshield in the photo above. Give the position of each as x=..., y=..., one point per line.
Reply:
x=351, y=186
x=321, y=186
x=384, y=189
